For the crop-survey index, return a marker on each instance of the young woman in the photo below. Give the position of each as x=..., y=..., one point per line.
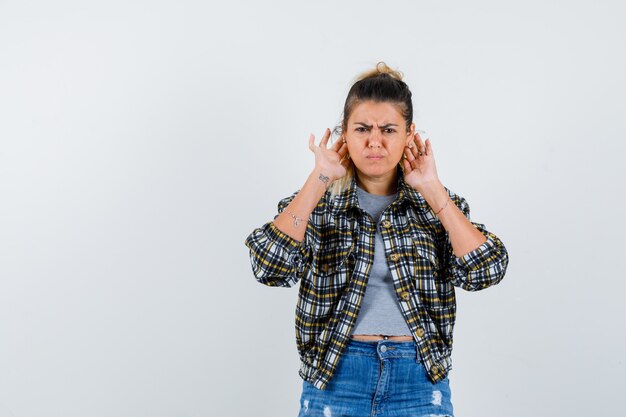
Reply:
x=378, y=244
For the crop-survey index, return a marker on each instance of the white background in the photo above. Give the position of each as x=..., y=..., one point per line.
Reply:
x=141, y=142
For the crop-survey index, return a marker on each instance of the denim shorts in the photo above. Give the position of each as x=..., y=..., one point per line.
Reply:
x=382, y=378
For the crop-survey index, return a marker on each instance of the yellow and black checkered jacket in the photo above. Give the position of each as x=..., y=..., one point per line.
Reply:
x=333, y=261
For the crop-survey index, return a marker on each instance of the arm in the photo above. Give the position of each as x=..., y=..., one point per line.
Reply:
x=280, y=250
x=463, y=236
x=474, y=257
x=277, y=259
x=294, y=219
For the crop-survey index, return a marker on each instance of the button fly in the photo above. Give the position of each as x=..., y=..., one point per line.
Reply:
x=383, y=348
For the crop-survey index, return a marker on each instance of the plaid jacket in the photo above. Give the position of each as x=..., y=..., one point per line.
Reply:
x=333, y=262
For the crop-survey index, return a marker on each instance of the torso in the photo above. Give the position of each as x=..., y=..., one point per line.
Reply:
x=374, y=205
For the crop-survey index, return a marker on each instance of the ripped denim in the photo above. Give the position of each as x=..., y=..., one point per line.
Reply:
x=378, y=379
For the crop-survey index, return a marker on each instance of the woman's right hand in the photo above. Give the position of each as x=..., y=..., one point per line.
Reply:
x=333, y=162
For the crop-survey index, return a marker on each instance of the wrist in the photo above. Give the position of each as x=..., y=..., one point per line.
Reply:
x=435, y=195
x=320, y=178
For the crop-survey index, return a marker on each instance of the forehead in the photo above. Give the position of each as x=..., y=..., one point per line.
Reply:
x=372, y=112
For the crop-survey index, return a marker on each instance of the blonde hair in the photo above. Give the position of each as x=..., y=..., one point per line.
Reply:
x=380, y=68
x=380, y=84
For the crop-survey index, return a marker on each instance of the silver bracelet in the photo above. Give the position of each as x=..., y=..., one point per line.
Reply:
x=296, y=220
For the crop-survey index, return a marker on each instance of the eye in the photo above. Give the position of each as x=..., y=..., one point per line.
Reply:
x=360, y=129
x=389, y=130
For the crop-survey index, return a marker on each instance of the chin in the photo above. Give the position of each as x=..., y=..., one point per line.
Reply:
x=376, y=171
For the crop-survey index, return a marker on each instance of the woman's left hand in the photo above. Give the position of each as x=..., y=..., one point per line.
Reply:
x=419, y=165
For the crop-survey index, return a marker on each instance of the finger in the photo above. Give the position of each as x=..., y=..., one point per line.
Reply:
x=311, y=141
x=324, y=141
x=428, y=149
x=407, y=166
x=342, y=150
x=345, y=162
x=417, y=142
x=416, y=149
x=420, y=144
x=411, y=162
x=410, y=156
x=338, y=145
x=407, y=154
x=412, y=145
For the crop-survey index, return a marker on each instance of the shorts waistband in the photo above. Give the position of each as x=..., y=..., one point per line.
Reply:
x=383, y=348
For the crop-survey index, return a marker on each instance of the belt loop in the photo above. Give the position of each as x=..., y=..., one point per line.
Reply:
x=418, y=359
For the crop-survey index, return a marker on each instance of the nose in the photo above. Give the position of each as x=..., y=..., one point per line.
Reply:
x=375, y=139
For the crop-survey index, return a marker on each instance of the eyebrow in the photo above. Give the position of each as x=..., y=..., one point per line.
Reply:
x=382, y=127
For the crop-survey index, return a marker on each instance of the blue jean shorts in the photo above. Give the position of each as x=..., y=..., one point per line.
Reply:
x=382, y=378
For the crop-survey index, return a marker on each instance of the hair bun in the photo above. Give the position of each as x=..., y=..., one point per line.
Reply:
x=381, y=68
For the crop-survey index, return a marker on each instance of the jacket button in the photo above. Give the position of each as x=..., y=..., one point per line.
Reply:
x=325, y=268
x=419, y=332
x=405, y=295
x=435, y=369
x=394, y=257
x=386, y=224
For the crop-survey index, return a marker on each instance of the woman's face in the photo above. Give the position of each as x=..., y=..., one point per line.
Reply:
x=376, y=136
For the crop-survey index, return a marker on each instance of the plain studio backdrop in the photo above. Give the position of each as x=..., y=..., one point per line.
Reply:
x=141, y=142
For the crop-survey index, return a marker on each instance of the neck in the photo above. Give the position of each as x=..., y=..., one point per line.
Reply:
x=385, y=185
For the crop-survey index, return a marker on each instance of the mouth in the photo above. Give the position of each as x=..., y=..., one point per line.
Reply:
x=375, y=157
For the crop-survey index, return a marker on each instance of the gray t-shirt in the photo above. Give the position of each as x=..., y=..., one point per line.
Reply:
x=380, y=312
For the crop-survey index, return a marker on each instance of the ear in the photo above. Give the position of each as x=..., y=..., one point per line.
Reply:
x=410, y=134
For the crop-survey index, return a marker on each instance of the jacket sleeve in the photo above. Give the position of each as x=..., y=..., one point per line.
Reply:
x=277, y=259
x=481, y=268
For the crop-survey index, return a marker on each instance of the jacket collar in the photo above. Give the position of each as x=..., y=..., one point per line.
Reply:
x=348, y=200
